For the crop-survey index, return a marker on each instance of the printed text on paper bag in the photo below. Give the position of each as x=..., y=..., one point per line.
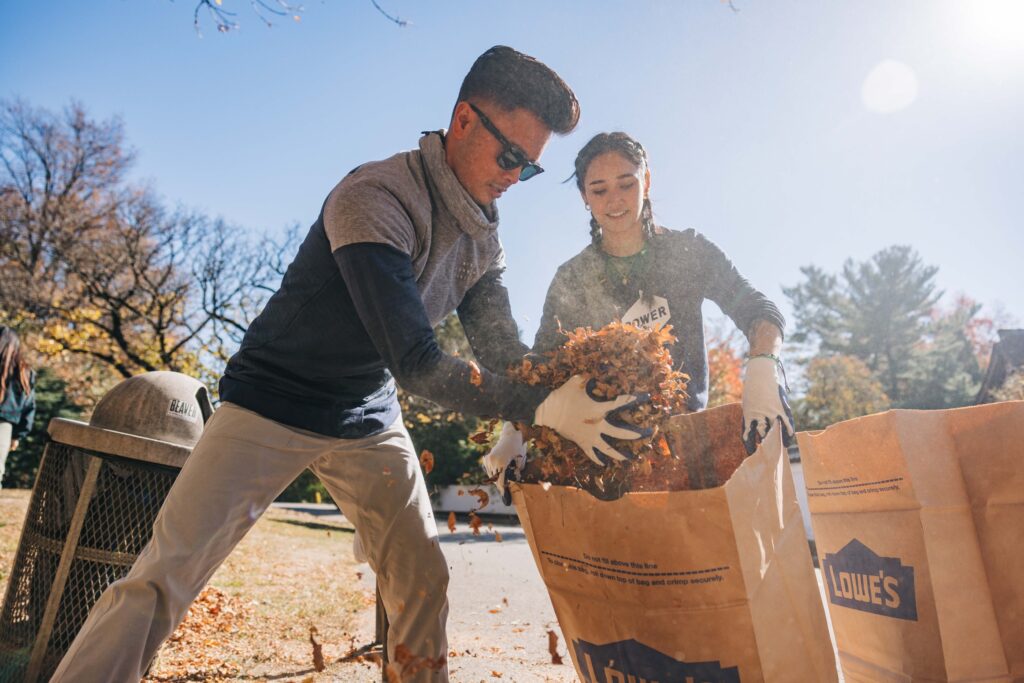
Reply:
x=634, y=573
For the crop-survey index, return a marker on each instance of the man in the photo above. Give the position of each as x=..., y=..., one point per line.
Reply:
x=398, y=245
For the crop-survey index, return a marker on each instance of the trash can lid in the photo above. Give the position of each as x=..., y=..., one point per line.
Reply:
x=162, y=405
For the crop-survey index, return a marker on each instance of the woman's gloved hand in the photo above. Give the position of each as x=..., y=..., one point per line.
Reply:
x=764, y=401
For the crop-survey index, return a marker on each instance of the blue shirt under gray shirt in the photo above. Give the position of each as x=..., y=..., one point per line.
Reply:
x=398, y=245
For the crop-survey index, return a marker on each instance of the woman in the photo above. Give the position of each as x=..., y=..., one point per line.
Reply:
x=636, y=271
x=17, y=399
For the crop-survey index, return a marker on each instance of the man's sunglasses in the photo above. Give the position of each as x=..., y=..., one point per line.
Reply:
x=511, y=157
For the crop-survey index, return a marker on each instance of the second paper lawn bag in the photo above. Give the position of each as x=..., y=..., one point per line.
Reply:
x=919, y=522
x=705, y=586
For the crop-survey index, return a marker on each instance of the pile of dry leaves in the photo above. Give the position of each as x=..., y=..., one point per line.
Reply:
x=202, y=643
x=623, y=359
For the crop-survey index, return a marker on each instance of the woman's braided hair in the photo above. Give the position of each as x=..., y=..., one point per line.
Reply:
x=631, y=150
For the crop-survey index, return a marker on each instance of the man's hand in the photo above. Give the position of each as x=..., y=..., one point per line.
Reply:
x=506, y=459
x=764, y=402
x=14, y=444
x=573, y=412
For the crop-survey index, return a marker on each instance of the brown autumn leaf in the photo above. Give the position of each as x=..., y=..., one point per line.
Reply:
x=553, y=647
x=451, y=522
x=476, y=378
x=497, y=536
x=480, y=438
x=482, y=497
x=427, y=461
x=318, y=651
x=475, y=523
x=495, y=674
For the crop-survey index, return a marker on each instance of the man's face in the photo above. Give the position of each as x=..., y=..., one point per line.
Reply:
x=472, y=151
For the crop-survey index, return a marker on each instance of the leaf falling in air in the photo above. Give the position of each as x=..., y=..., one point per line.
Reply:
x=427, y=461
x=482, y=497
x=475, y=523
x=451, y=522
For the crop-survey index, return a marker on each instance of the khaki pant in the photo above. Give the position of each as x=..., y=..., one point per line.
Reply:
x=241, y=463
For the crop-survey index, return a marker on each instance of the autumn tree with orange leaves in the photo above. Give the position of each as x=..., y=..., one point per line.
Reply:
x=725, y=369
x=104, y=281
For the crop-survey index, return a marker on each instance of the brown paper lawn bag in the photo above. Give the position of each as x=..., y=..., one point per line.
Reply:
x=713, y=585
x=918, y=518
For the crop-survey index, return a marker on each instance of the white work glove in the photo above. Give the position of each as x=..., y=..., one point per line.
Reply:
x=572, y=411
x=764, y=402
x=506, y=459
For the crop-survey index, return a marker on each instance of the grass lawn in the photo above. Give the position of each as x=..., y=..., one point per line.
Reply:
x=291, y=574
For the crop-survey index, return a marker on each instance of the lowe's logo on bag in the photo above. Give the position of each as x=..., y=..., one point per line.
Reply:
x=628, y=661
x=857, y=577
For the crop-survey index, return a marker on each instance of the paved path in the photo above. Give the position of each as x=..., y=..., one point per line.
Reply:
x=499, y=612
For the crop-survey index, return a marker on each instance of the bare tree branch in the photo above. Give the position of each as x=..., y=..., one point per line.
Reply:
x=102, y=270
x=398, y=20
x=225, y=20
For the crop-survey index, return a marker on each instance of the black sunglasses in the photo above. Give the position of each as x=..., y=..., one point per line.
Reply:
x=511, y=157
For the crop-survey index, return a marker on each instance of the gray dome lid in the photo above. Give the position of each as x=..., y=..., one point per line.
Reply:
x=165, y=406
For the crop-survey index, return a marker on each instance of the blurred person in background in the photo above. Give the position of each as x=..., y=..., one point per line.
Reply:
x=17, y=395
x=642, y=273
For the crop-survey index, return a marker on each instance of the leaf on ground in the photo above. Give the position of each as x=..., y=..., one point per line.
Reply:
x=427, y=461
x=318, y=651
x=553, y=647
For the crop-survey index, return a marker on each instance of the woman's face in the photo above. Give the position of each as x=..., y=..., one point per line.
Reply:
x=615, y=188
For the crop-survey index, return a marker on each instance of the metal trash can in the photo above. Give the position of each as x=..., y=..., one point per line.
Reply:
x=97, y=493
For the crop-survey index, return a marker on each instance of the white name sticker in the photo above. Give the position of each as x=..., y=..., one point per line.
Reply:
x=654, y=313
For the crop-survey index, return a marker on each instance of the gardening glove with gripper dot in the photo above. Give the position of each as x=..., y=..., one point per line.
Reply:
x=764, y=402
x=506, y=459
x=573, y=412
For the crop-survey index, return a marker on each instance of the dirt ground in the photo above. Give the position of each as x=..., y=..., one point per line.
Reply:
x=295, y=572
x=290, y=574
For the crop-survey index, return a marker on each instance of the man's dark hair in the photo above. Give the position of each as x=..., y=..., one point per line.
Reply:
x=512, y=80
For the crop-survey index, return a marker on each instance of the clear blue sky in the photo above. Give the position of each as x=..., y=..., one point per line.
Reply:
x=789, y=132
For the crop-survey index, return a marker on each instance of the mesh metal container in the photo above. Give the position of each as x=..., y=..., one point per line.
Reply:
x=97, y=493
